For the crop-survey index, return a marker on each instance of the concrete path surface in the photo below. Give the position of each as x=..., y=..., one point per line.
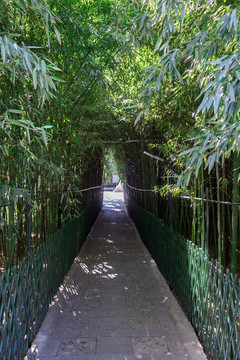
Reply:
x=114, y=304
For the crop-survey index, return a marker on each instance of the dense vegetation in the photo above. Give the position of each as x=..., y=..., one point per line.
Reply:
x=189, y=111
x=158, y=81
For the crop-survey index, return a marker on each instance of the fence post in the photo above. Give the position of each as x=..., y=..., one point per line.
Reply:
x=207, y=219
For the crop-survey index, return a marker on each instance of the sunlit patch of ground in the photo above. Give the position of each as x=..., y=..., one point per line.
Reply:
x=112, y=196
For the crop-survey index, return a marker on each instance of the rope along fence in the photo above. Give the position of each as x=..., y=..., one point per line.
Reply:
x=210, y=297
x=27, y=289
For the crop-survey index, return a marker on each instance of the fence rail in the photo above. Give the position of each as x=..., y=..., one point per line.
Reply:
x=209, y=296
x=27, y=288
x=187, y=197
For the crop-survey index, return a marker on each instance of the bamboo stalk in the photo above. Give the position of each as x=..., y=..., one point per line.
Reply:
x=199, y=215
x=213, y=217
x=10, y=233
x=218, y=217
x=194, y=214
x=234, y=214
x=207, y=221
x=202, y=210
x=223, y=217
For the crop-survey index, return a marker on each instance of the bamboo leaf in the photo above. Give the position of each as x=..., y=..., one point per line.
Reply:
x=143, y=19
x=231, y=93
x=57, y=34
x=44, y=136
x=211, y=162
x=188, y=151
x=27, y=61
x=207, y=87
x=57, y=79
x=19, y=5
x=28, y=135
x=182, y=12
x=34, y=75
x=3, y=50
x=217, y=99
x=15, y=111
x=158, y=43
x=202, y=105
x=138, y=117
x=199, y=163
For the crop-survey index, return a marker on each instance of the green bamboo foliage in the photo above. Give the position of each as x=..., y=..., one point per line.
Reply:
x=185, y=91
x=44, y=148
x=30, y=221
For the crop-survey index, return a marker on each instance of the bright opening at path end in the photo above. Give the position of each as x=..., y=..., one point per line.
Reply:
x=112, y=196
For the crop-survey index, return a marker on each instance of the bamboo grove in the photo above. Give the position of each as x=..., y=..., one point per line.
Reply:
x=215, y=232
x=185, y=113
x=157, y=80
x=48, y=152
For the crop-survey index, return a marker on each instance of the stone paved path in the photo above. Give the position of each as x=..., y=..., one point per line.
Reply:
x=114, y=303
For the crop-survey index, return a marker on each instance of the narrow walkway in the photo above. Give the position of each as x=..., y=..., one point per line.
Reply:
x=114, y=304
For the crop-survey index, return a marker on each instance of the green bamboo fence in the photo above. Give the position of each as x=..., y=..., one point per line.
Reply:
x=209, y=296
x=27, y=289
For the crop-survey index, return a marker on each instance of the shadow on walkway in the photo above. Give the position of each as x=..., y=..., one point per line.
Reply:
x=114, y=303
